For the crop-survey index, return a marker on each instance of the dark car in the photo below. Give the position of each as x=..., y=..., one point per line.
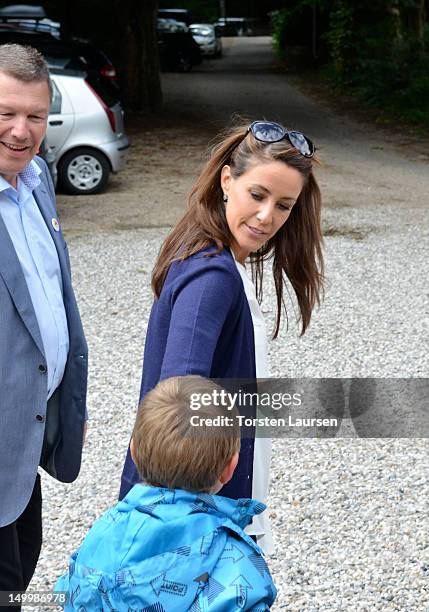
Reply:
x=182, y=15
x=234, y=26
x=177, y=47
x=28, y=25
x=93, y=57
x=30, y=17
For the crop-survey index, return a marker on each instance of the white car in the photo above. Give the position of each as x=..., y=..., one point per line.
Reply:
x=85, y=139
x=208, y=38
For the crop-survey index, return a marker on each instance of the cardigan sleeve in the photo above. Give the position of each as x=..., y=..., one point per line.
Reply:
x=200, y=304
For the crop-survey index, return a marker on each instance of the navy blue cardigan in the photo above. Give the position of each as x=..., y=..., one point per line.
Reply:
x=201, y=324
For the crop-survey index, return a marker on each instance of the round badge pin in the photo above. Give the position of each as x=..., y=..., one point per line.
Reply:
x=55, y=224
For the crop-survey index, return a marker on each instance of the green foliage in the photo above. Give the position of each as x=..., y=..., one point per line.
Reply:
x=340, y=37
x=292, y=26
x=376, y=55
x=280, y=20
x=378, y=49
x=397, y=82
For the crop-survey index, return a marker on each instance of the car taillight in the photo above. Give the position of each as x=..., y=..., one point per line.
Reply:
x=108, y=72
x=110, y=114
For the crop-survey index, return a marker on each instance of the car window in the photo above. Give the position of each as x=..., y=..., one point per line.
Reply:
x=56, y=100
x=105, y=90
x=201, y=30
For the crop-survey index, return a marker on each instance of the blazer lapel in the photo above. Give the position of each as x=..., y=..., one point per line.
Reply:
x=44, y=203
x=13, y=276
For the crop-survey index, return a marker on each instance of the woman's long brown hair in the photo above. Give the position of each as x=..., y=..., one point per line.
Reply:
x=296, y=249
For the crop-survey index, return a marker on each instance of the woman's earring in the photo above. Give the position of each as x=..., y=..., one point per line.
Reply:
x=225, y=198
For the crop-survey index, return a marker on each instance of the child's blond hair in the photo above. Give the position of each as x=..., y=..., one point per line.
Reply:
x=168, y=450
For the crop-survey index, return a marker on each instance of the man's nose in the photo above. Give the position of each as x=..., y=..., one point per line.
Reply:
x=20, y=128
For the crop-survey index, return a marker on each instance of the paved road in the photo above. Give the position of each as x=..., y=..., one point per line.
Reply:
x=362, y=165
x=363, y=162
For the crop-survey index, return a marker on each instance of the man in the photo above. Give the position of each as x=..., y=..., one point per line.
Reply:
x=43, y=353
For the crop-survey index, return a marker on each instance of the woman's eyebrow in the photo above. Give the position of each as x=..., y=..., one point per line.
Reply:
x=290, y=198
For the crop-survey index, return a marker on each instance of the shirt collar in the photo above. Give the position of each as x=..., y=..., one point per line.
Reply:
x=29, y=176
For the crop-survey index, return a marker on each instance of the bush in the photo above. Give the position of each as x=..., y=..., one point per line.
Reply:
x=280, y=20
x=385, y=70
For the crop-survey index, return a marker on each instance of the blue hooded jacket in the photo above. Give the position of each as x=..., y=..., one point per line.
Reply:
x=170, y=550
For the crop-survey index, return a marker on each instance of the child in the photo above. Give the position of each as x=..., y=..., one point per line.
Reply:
x=171, y=544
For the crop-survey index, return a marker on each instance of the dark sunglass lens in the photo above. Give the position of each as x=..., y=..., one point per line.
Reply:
x=266, y=131
x=301, y=143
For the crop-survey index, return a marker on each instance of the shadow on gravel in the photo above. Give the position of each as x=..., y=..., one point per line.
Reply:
x=345, y=232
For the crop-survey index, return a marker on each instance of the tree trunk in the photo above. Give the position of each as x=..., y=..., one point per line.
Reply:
x=137, y=53
x=416, y=19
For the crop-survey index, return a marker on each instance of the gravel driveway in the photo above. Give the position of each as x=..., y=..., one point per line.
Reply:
x=350, y=515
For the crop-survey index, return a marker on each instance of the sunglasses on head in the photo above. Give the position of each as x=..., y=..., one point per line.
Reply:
x=268, y=131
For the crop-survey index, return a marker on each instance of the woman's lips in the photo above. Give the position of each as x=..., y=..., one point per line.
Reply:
x=254, y=231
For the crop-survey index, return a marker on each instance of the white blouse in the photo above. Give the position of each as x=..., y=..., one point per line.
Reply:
x=261, y=525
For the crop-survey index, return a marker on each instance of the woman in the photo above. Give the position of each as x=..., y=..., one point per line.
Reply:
x=256, y=199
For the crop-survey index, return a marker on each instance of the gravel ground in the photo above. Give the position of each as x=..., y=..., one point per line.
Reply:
x=350, y=515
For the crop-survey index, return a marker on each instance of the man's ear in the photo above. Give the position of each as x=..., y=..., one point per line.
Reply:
x=225, y=178
x=229, y=469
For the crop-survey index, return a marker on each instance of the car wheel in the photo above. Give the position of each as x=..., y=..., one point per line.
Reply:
x=83, y=171
x=184, y=63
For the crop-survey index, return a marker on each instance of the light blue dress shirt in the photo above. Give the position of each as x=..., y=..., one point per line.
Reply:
x=39, y=261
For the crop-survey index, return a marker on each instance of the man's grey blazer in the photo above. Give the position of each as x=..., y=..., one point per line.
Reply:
x=33, y=431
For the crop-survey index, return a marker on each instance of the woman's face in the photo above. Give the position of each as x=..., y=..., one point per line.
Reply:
x=259, y=203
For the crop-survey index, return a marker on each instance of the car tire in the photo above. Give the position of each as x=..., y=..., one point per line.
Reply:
x=83, y=171
x=184, y=63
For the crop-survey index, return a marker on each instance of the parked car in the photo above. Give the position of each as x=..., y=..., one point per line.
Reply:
x=28, y=25
x=85, y=139
x=92, y=57
x=30, y=17
x=177, y=14
x=49, y=157
x=171, y=25
x=23, y=13
x=177, y=48
x=234, y=26
x=208, y=38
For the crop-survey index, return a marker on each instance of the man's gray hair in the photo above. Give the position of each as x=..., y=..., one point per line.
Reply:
x=24, y=63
